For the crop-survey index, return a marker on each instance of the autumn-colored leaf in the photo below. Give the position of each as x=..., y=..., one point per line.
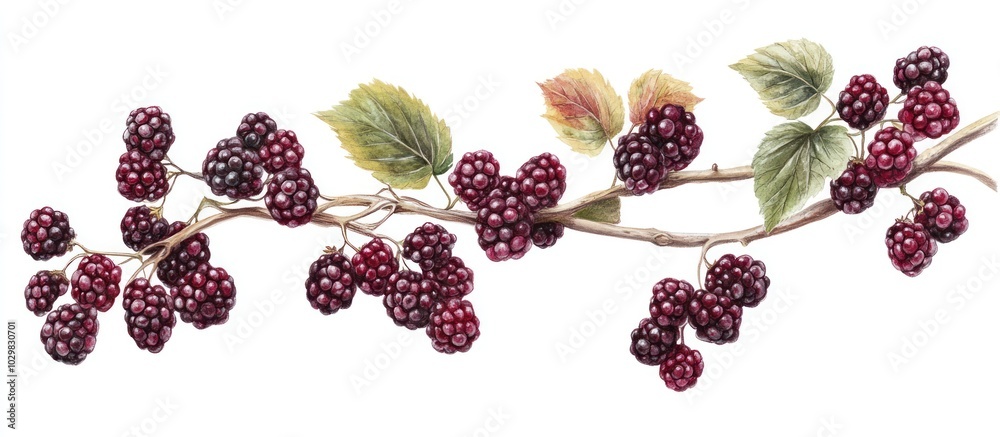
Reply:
x=584, y=109
x=653, y=90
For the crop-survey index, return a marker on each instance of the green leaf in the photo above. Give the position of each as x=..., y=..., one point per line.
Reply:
x=790, y=76
x=392, y=134
x=792, y=165
x=584, y=109
x=602, y=211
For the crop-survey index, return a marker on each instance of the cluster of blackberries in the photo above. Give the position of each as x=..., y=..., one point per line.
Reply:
x=148, y=136
x=668, y=140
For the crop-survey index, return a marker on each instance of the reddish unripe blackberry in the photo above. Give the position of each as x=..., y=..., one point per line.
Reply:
x=668, y=306
x=70, y=333
x=184, y=258
x=148, y=131
x=474, y=176
x=140, y=228
x=453, y=326
x=541, y=181
x=890, y=157
x=141, y=178
x=43, y=289
x=503, y=225
x=204, y=297
x=291, y=197
x=929, y=111
x=854, y=191
x=943, y=215
x=281, y=150
x=911, y=247
x=373, y=265
x=46, y=233
x=741, y=278
x=640, y=163
x=455, y=278
x=680, y=371
x=149, y=314
x=652, y=343
x=546, y=234
x=96, y=282
x=716, y=317
x=254, y=127
x=410, y=298
x=679, y=136
x=921, y=65
x=330, y=286
x=863, y=102
x=429, y=245
x=233, y=170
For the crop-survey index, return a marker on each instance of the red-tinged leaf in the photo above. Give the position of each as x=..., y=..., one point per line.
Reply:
x=653, y=90
x=584, y=109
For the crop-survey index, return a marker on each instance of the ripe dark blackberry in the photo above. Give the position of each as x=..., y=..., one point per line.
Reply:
x=46, y=233
x=410, y=298
x=474, y=176
x=373, y=265
x=911, y=247
x=149, y=314
x=640, y=163
x=716, y=317
x=668, y=306
x=652, y=343
x=291, y=197
x=455, y=278
x=233, y=170
x=96, y=282
x=281, y=150
x=541, y=181
x=503, y=225
x=890, y=157
x=854, y=191
x=680, y=371
x=186, y=257
x=254, y=127
x=43, y=289
x=546, y=234
x=204, y=297
x=677, y=134
x=429, y=245
x=741, y=278
x=453, y=326
x=330, y=286
x=140, y=228
x=141, y=178
x=70, y=333
x=148, y=131
x=863, y=102
x=943, y=215
x=929, y=111
x=921, y=65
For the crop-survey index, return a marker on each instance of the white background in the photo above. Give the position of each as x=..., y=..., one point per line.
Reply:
x=815, y=358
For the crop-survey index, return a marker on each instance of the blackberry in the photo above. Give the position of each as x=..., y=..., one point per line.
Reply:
x=929, y=111
x=141, y=178
x=184, y=258
x=863, y=102
x=546, y=234
x=43, y=289
x=741, y=278
x=281, y=150
x=682, y=368
x=640, y=163
x=291, y=197
x=943, y=215
x=140, y=227
x=541, y=181
x=204, y=297
x=148, y=130
x=455, y=278
x=453, y=326
x=890, y=157
x=46, y=234
x=373, y=265
x=254, y=127
x=921, y=65
x=474, y=177
x=911, y=247
x=668, y=306
x=330, y=286
x=70, y=333
x=149, y=314
x=233, y=170
x=679, y=136
x=429, y=245
x=410, y=298
x=854, y=191
x=503, y=225
x=652, y=343
x=715, y=316
x=96, y=282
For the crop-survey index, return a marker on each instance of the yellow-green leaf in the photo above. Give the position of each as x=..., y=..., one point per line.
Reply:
x=653, y=90
x=584, y=109
x=602, y=211
x=790, y=76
